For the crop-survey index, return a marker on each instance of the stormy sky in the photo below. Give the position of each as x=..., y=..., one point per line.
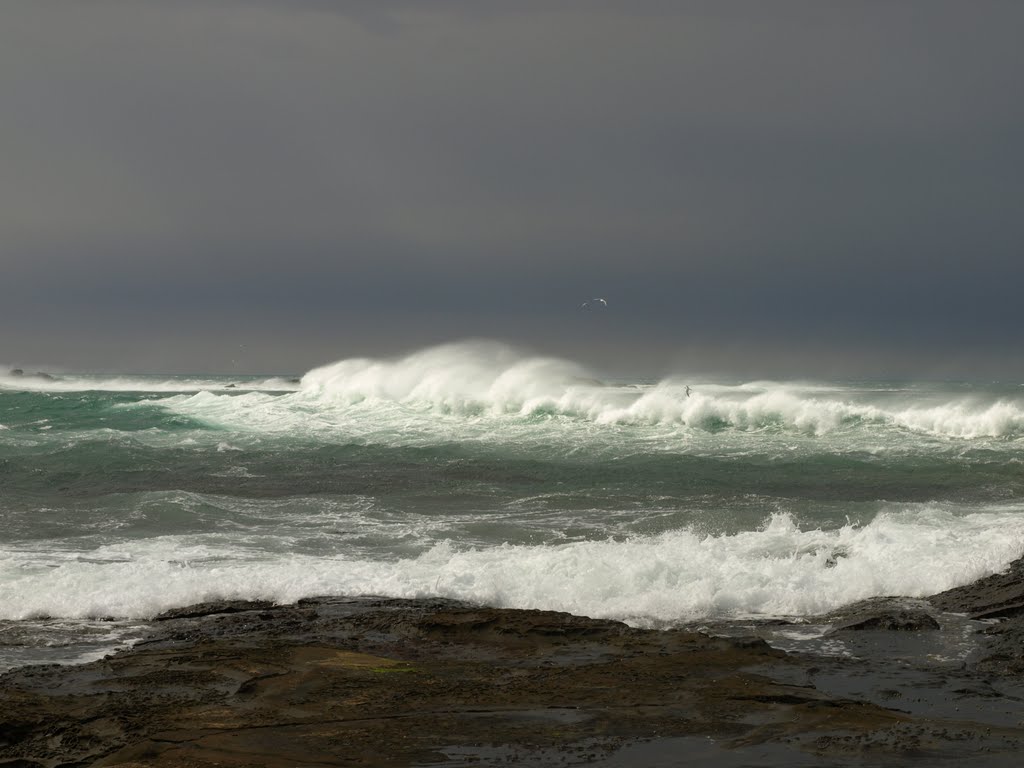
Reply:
x=768, y=188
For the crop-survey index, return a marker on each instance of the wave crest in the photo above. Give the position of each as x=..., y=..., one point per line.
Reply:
x=462, y=377
x=475, y=378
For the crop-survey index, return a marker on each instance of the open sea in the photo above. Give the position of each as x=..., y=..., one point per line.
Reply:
x=475, y=472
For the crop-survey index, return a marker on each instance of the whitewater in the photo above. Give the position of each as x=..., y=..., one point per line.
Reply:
x=479, y=472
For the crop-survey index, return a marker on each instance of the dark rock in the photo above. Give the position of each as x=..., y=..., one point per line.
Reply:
x=349, y=681
x=213, y=608
x=1000, y=596
x=900, y=614
x=997, y=596
x=399, y=683
x=1005, y=652
x=37, y=375
x=899, y=621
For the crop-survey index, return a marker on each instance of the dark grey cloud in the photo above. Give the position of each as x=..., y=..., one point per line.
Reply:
x=793, y=183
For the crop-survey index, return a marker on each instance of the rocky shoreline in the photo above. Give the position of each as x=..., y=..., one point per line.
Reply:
x=380, y=682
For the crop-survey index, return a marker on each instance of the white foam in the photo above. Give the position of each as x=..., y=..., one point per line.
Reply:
x=965, y=418
x=448, y=389
x=780, y=570
x=474, y=379
x=465, y=377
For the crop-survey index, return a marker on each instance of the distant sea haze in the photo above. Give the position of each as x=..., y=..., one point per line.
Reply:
x=476, y=472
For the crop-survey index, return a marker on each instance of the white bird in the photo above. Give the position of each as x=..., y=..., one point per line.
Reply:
x=587, y=304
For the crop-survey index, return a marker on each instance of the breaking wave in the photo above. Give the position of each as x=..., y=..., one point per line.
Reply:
x=475, y=380
x=681, y=575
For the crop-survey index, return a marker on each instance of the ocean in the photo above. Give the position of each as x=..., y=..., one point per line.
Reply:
x=477, y=472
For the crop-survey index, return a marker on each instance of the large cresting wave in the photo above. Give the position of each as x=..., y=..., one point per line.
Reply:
x=486, y=379
x=489, y=379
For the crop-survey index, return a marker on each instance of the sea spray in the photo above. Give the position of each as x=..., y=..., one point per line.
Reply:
x=487, y=380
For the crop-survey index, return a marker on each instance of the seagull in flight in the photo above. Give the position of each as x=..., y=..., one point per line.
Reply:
x=593, y=302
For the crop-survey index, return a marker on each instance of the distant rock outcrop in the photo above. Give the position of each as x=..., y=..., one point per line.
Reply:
x=37, y=375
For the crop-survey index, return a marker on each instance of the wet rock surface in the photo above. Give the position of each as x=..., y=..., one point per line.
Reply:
x=998, y=596
x=886, y=614
x=899, y=621
x=431, y=682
